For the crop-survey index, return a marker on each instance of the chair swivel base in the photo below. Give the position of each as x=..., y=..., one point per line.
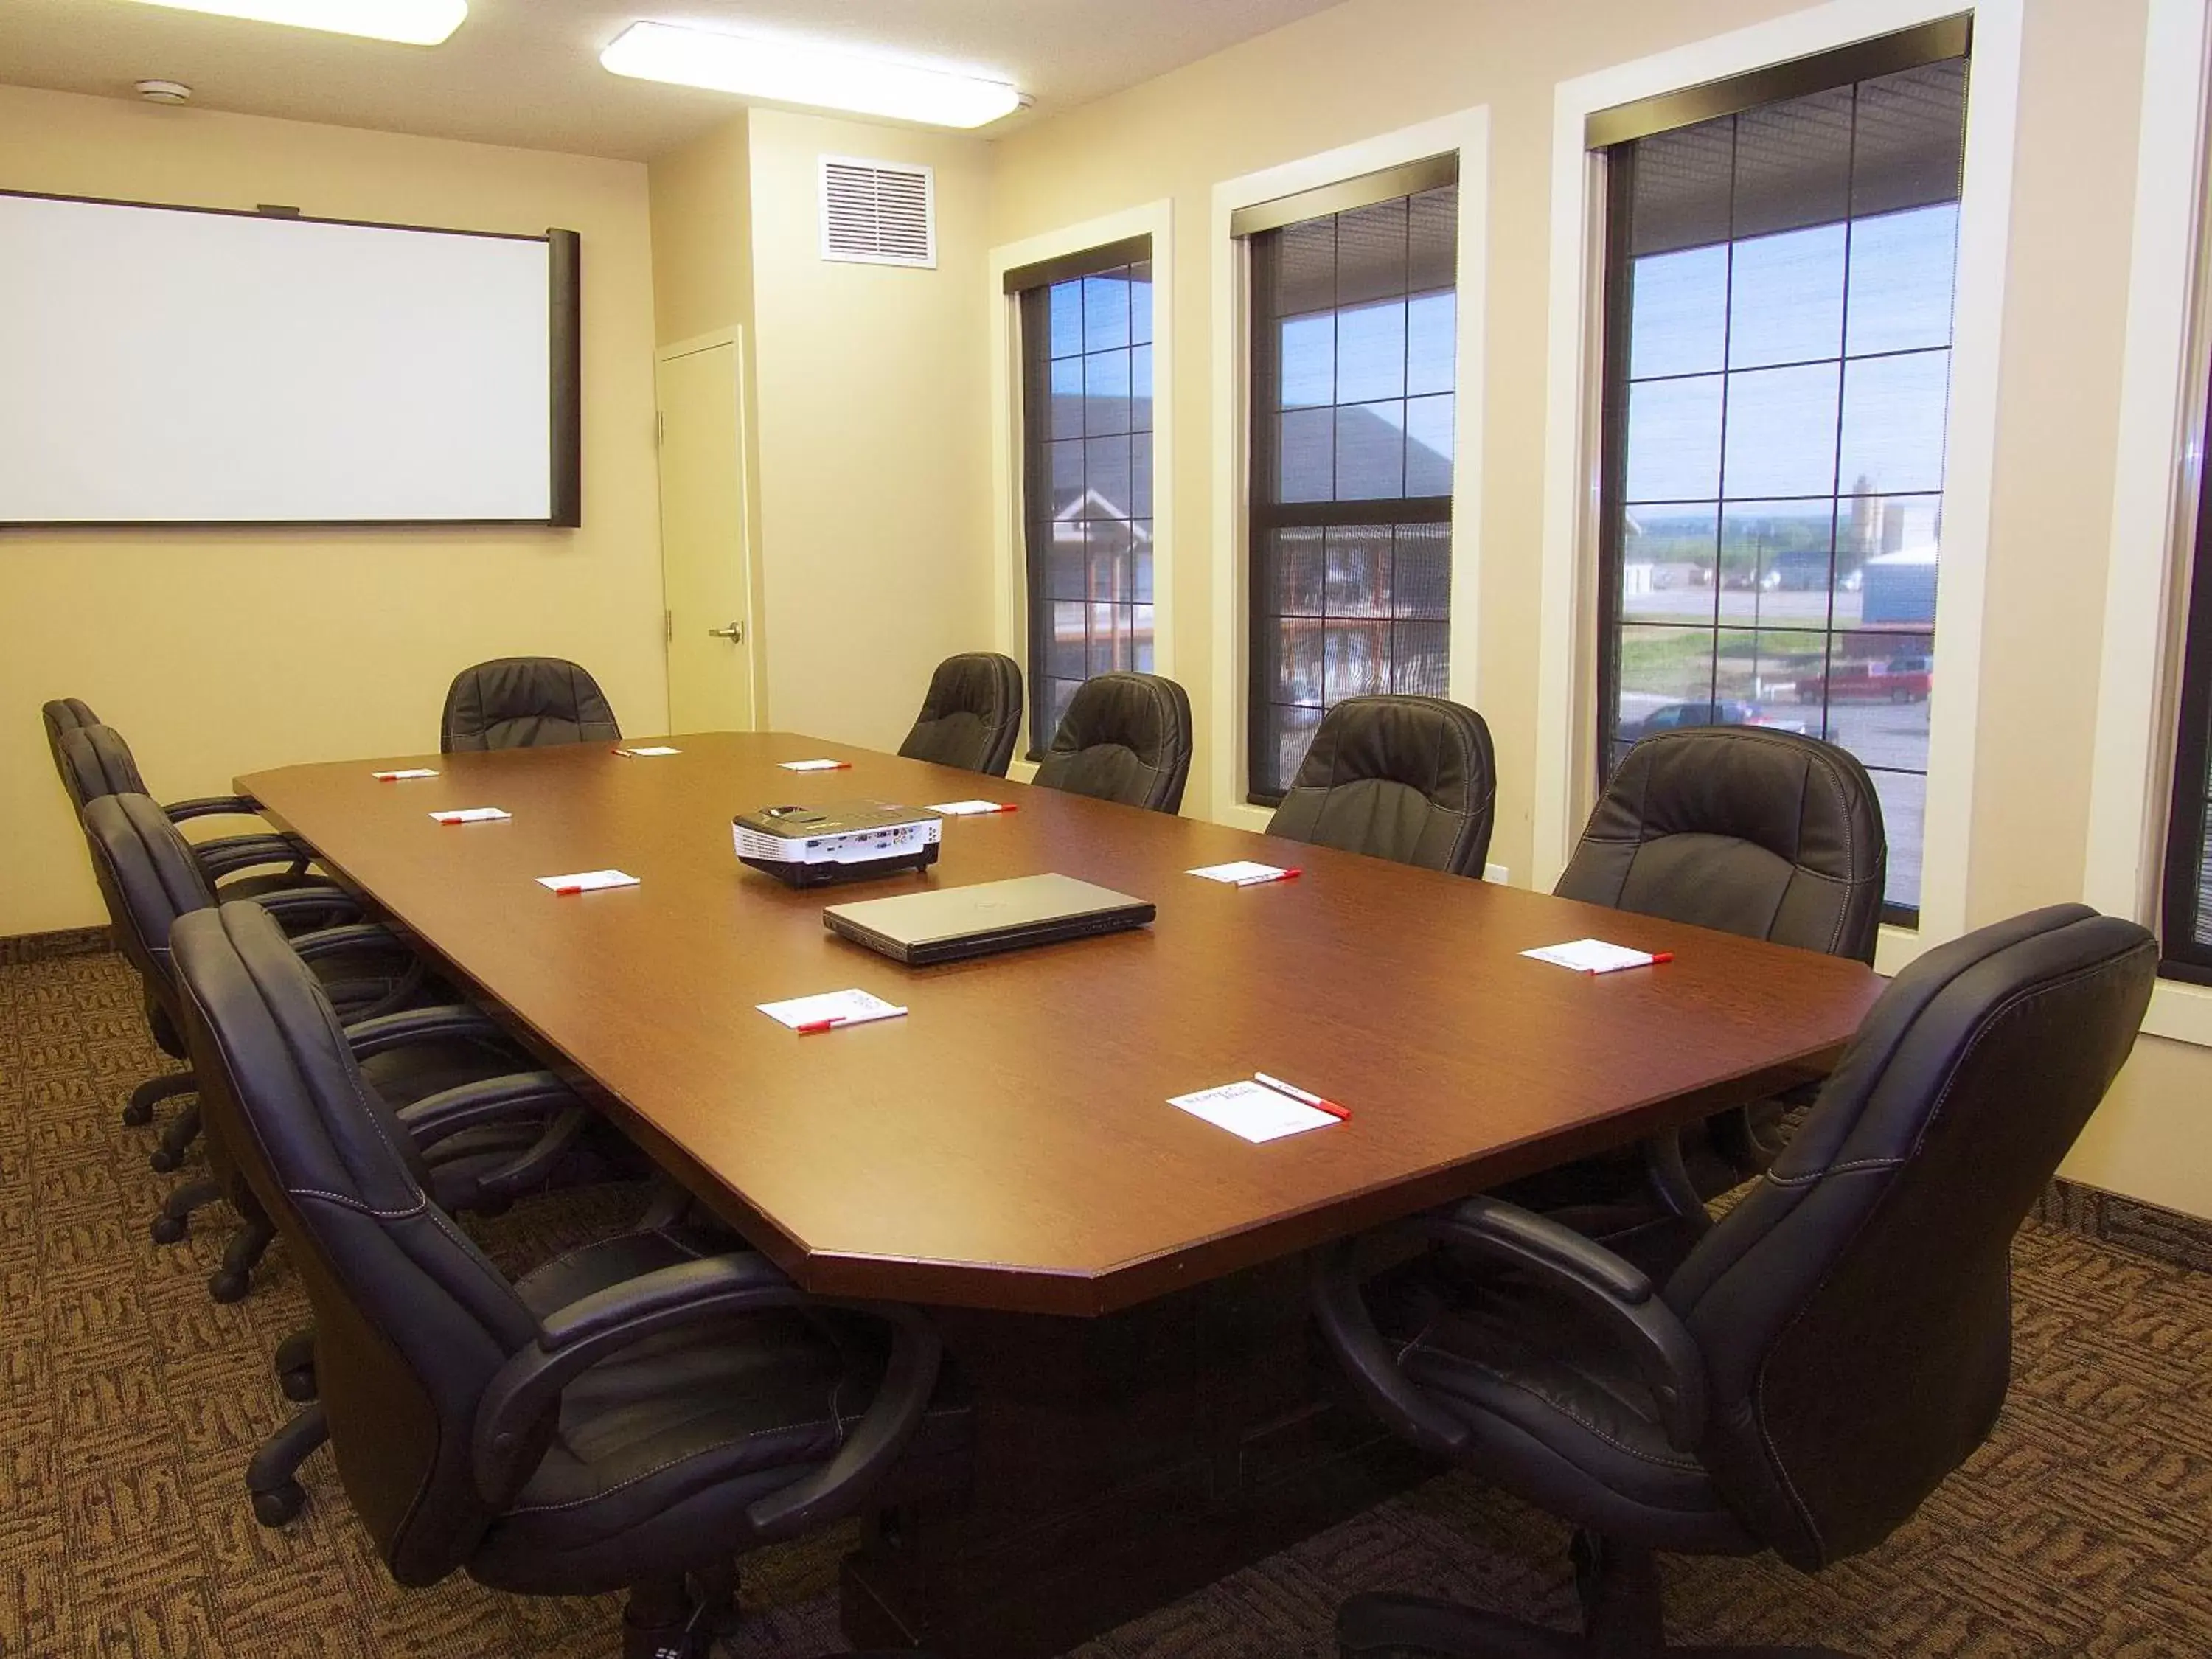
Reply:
x=1617, y=1584
x=140, y=1111
x=272, y=1479
x=231, y=1281
x=175, y=1218
x=176, y=1141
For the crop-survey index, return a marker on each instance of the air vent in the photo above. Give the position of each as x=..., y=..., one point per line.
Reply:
x=879, y=213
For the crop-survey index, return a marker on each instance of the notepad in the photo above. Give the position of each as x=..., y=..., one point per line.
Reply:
x=969, y=809
x=819, y=1013
x=473, y=814
x=405, y=772
x=1595, y=956
x=1253, y=1111
x=648, y=751
x=588, y=881
x=1242, y=872
x=814, y=765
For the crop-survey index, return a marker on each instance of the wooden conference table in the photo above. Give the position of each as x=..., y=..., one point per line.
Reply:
x=1120, y=1284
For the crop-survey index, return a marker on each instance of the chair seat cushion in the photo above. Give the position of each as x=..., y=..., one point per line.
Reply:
x=1550, y=1392
x=664, y=1443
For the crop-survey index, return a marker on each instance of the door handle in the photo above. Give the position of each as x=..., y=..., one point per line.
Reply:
x=735, y=633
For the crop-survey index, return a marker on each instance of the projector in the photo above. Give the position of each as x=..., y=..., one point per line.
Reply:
x=845, y=841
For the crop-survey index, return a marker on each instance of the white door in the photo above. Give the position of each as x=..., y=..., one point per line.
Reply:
x=704, y=572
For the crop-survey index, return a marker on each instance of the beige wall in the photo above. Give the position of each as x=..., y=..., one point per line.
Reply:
x=1372, y=66
x=702, y=261
x=217, y=653
x=874, y=477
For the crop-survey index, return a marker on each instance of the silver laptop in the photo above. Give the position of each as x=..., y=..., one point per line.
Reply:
x=949, y=923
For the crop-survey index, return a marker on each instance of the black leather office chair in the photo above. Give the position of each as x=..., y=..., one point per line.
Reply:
x=1752, y=831
x=1412, y=778
x=1837, y=1346
x=64, y=715
x=524, y=702
x=1125, y=737
x=971, y=715
x=148, y=881
x=636, y=1411
x=94, y=761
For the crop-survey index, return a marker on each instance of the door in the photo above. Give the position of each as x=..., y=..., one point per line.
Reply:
x=705, y=573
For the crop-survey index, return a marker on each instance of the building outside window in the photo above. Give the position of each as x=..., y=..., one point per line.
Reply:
x=1353, y=354
x=1086, y=343
x=1779, y=284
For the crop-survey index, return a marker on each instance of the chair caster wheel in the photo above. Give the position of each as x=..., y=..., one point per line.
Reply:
x=168, y=1228
x=229, y=1286
x=279, y=1505
x=163, y=1161
x=298, y=1383
x=139, y=1114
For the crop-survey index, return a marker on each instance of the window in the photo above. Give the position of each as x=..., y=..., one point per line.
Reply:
x=1778, y=372
x=2186, y=930
x=1086, y=334
x=1354, y=354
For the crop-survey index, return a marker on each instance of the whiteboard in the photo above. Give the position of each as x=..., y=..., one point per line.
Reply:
x=170, y=366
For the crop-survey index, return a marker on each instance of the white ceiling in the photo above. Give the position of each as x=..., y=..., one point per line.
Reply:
x=526, y=72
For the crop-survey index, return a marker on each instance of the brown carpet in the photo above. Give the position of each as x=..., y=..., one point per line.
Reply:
x=130, y=1403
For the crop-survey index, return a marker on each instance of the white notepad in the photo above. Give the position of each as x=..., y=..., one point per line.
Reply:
x=405, y=772
x=588, y=881
x=1242, y=872
x=473, y=814
x=969, y=809
x=1595, y=956
x=649, y=751
x=830, y=1008
x=814, y=765
x=1253, y=1111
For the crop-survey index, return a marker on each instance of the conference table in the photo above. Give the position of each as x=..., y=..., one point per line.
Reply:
x=1120, y=1284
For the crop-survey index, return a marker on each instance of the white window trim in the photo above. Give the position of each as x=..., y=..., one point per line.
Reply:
x=2161, y=438
x=1566, y=684
x=1467, y=133
x=1009, y=540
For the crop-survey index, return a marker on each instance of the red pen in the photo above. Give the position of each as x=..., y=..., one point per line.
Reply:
x=572, y=887
x=810, y=1027
x=1662, y=956
x=1303, y=1097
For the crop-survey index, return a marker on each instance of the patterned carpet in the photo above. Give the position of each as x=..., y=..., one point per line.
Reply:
x=131, y=1403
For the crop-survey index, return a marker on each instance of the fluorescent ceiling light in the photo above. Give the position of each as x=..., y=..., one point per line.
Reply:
x=789, y=73
x=413, y=22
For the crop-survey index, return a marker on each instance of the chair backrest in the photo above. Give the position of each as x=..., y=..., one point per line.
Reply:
x=1412, y=778
x=64, y=715
x=1125, y=737
x=94, y=761
x=1854, y=1310
x=524, y=703
x=412, y=1320
x=1744, y=828
x=970, y=715
x=148, y=878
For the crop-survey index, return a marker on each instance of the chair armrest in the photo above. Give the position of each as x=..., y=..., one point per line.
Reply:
x=573, y=1339
x=382, y=1032
x=211, y=806
x=1371, y=1362
x=490, y=1100
x=348, y=936
x=293, y=901
x=1650, y=1335
x=226, y=855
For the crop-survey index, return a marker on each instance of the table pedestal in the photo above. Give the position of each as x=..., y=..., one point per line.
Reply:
x=1117, y=1464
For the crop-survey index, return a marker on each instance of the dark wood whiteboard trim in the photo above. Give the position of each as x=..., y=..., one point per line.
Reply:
x=566, y=310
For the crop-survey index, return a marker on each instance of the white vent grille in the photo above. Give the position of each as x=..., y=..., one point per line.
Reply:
x=879, y=213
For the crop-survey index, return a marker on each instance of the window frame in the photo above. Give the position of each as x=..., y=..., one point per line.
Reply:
x=1262, y=518
x=1916, y=47
x=1226, y=732
x=1567, y=645
x=1009, y=531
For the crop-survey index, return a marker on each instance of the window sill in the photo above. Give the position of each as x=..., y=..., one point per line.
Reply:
x=2180, y=1013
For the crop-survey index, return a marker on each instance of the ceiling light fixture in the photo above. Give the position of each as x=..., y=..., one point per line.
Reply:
x=411, y=22
x=787, y=72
